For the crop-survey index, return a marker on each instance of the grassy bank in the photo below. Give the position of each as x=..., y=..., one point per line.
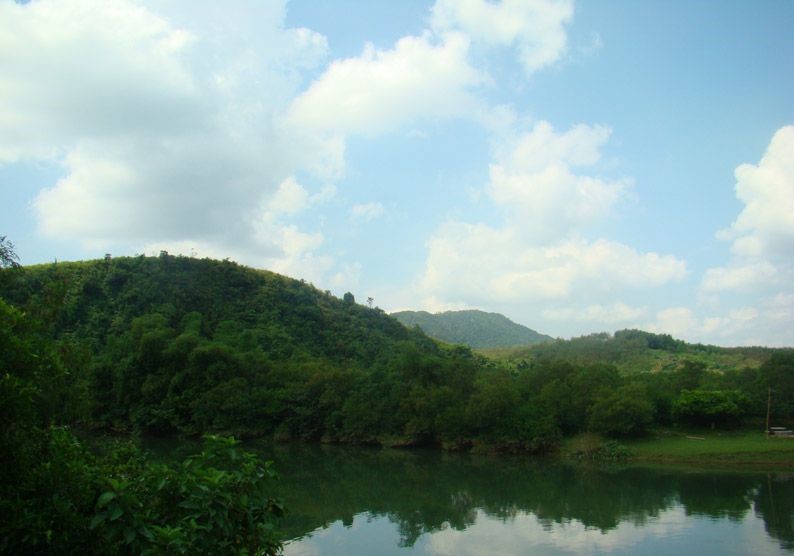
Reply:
x=702, y=448
x=713, y=448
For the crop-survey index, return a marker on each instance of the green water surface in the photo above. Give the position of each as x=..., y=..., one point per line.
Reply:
x=357, y=501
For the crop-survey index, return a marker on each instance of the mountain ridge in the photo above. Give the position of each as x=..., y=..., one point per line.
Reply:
x=475, y=328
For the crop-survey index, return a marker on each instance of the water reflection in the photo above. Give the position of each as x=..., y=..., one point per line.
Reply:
x=435, y=503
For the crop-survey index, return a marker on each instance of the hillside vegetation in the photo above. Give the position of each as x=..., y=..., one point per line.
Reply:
x=636, y=351
x=175, y=345
x=170, y=345
x=476, y=329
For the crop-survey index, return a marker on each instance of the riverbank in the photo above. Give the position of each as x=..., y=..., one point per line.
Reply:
x=706, y=448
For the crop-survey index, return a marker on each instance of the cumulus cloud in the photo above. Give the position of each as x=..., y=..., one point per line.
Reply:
x=741, y=326
x=735, y=321
x=167, y=135
x=607, y=314
x=538, y=253
x=85, y=69
x=762, y=241
x=768, y=322
x=482, y=264
x=269, y=239
x=533, y=180
x=676, y=321
x=747, y=277
x=430, y=76
x=381, y=90
x=535, y=27
x=765, y=227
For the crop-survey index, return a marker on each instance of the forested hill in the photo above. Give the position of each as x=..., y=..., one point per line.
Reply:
x=216, y=300
x=476, y=329
x=177, y=344
x=637, y=351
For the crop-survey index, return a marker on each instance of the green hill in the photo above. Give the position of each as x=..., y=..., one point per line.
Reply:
x=476, y=329
x=637, y=351
x=176, y=344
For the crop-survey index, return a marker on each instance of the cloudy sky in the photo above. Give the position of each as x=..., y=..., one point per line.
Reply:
x=579, y=167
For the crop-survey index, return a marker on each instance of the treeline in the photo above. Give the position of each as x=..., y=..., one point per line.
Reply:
x=180, y=345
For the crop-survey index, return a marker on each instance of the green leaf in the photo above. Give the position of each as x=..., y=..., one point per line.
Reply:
x=129, y=535
x=98, y=518
x=115, y=513
x=146, y=533
x=105, y=498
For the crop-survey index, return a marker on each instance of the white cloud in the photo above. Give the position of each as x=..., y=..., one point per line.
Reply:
x=481, y=264
x=534, y=27
x=290, y=197
x=739, y=278
x=542, y=147
x=366, y=212
x=606, y=314
x=736, y=321
x=169, y=127
x=347, y=279
x=77, y=68
x=533, y=180
x=765, y=227
x=538, y=253
x=676, y=321
x=382, y=90
x=769, y=323
x=759, y=277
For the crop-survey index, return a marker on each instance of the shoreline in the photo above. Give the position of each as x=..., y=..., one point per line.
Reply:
x=743, y=449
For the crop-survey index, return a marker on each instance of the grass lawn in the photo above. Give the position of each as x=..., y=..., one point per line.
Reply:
x=709, y=447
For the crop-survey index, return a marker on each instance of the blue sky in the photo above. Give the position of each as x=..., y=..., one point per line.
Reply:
x=579, y=167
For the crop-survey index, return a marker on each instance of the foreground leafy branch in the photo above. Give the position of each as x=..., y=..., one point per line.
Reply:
x=57, y=497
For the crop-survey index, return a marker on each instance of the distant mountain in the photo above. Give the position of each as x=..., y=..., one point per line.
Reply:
x=477, y=329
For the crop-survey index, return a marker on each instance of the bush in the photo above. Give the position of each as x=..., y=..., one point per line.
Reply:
x=216, y=502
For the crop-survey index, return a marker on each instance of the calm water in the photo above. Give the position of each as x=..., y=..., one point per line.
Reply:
x=379, y=502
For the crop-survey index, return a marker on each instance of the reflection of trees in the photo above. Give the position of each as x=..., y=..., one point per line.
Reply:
x=597, y=498
x=423, y=492
x=774, y=503
x=726, y=495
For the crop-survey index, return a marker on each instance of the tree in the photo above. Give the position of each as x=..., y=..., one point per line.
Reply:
x=778, y=374
x=8, y=257
x=349, y=298
x=625, y=412
x=710, y=407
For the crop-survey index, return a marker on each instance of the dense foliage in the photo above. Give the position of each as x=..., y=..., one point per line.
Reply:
x=178, y=345
x=634, y=351
x=476, y=329
x=57, y=497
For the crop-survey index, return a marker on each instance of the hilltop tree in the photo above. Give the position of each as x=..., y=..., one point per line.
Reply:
x=8, y=257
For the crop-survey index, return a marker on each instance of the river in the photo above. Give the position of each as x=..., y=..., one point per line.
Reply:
x=359, y=501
